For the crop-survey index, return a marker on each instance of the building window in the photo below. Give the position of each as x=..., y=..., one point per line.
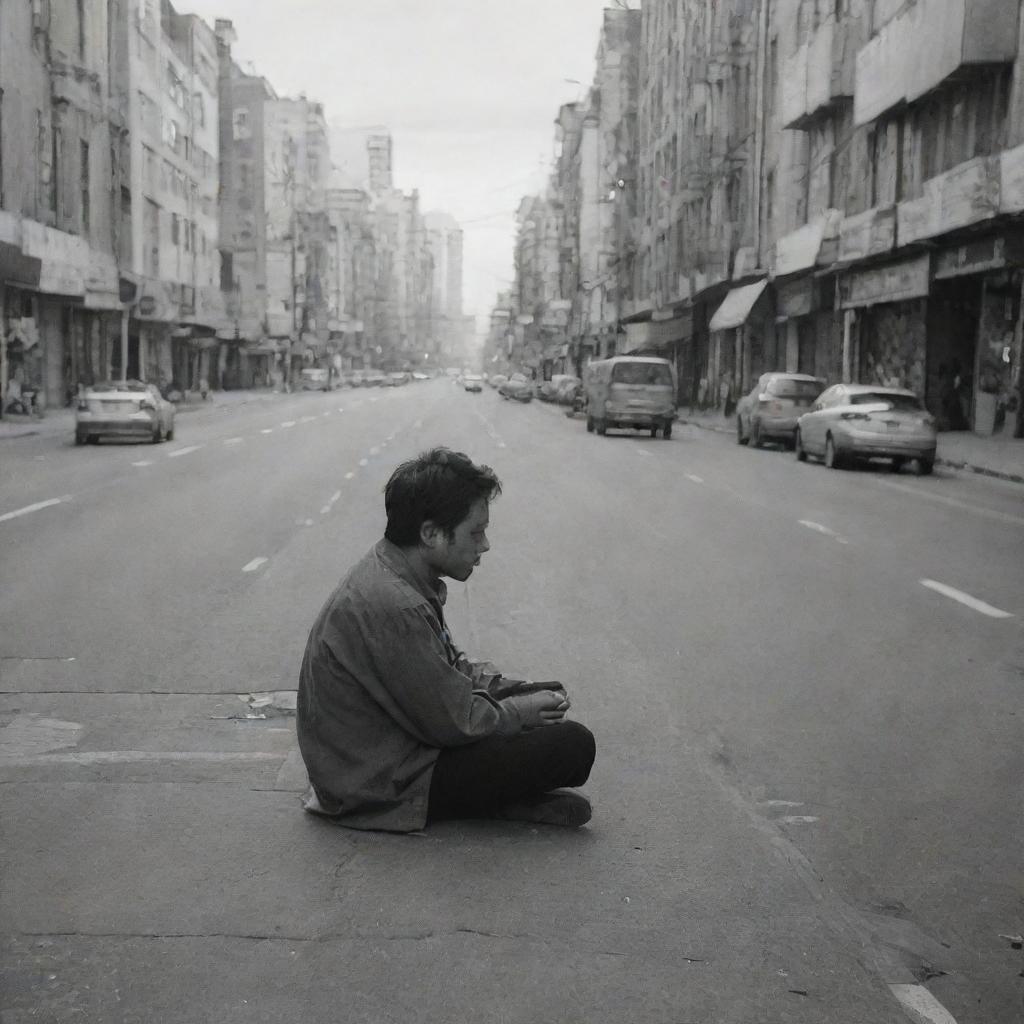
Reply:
x=83, y=183
x=56, y=147
x=80, y=14
x=769, y=200
x=175, y=229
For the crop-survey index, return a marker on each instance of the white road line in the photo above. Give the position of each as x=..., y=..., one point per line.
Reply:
x=267, y=430
x=144, y=462
x=340, y=409
x=375, y=450
x=922, y=1004
x=288, y=423
x=255, y=564
x=364, y=462
x=966, y=599
x=234, y=440
x=184, y=451
x=328, y=413
x=32, y=508
x=798, y=819
x=644, y=451
x=942, y=499
x=349, y=476
x=131, y=756
x=307, y=419
x=325, y=510
x=818, y=528
x=336, y=496
x=696, y=479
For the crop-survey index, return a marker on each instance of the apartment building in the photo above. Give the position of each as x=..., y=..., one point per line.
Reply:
x=170, y=79
x=65, y=238
x=446, y=334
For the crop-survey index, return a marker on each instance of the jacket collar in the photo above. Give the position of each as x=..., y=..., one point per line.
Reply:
x=434, y=589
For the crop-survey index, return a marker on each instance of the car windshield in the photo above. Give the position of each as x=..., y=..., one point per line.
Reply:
x=900, y=403
x=786, y=387
x=641, y=373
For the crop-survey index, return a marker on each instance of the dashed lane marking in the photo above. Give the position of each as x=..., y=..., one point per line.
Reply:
x=144, y=462
x=33, y=508
x=818, y=528
x=288, y=423
x=349, y=476
x=267, y=430
x=375, y=450
x=335, y=497
x=966, y=599
x=307, y=419
x=255, y=564
x=328, y=413
x=696, y=479
x=644, y=451
x=942, y=499
x=364, y=462
x=341, y=409
x=184, y=451
x=234, y=440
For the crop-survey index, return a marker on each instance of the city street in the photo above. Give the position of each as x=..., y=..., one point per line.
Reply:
x=805, y=687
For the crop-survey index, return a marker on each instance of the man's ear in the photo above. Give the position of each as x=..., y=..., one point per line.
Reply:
x=430, y=534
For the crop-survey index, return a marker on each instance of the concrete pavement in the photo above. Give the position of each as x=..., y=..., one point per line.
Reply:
x=999, y=455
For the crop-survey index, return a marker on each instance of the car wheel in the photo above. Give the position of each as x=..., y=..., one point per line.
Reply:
x=925, y=467
x=601, y=427
x=93, y=439
x=798, y=447
x=654, y=431
x=79, y=437
x=590, y=424
x=833, y=460
x=740, y=439
x=170, y=434
x=158, y=435
x=895, y=465
x=755, y=434
x=667, y=431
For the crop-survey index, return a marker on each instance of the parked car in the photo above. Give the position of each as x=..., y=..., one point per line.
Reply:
x=373, y=379
x=636, y=392
x=473, y=382
x=517, y=387
x=496, y=380
x=420, y=376
x=772, y=408
x=314, y=379
x=548, y=390
x=860, y=421
x=123, y=409
x=570, y=392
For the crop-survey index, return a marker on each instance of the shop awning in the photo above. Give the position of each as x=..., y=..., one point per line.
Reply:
x=654, y=335
x=733, y=312
x=17, y=269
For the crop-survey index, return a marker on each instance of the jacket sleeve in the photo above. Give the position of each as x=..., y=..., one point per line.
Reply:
x=428, y=697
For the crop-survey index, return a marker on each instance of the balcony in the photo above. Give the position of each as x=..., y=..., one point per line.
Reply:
x=921, y=48
x=965, y=195
x=819, y=74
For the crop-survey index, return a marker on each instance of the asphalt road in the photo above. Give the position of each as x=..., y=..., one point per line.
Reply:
x=805, y=686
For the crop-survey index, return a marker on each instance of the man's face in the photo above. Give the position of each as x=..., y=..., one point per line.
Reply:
x=458, y=557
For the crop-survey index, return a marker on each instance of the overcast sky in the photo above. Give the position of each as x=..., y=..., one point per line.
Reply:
x=469, y=90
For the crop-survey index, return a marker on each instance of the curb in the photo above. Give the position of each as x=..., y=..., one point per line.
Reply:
x=958, y=464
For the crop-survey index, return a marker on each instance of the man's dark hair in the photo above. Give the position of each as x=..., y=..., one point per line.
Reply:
x=439, y=485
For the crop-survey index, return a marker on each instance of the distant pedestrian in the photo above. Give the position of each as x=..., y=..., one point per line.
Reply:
x=395, y=725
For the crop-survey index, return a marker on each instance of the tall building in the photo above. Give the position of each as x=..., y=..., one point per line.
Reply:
x=447, y=329
x=65, y=219
x=171, y=81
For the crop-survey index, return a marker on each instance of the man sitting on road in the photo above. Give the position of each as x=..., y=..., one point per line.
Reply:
x=395, y=725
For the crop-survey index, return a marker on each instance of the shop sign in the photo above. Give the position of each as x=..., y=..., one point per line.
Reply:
x=976, y=257
x=147, y=305
x=799, y=249
x=18, y=269
x=794, y=298
x=61, y=279
x=896, y=282
x=867, y=234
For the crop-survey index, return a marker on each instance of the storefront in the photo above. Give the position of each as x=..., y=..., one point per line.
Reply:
x=669, y=334
x=885, y=311
x=973, y=334
x=738, y=331
x=19, y=277
x=808, y=334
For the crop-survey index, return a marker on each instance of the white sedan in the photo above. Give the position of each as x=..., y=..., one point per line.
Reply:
x=861, y=421
x=123, y=409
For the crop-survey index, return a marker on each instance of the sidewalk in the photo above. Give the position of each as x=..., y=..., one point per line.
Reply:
x=62, y=421
x=1000, y=455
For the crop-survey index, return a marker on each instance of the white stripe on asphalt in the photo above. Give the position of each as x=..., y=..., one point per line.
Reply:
x=696, y=479
x=818, y=528
x=254, y=564
x=288, y=423
x=340, y=409
x=307, y=419
x=644, y=451
x=942, y=499
x=130, y=756
x=364, y=462
x=234, y=440
x=375, y=450
x=966, y=599
x=184, y=451
x=336, y=496
x=32, y=508
x=328, y=413
x=922, y=1004
x=267, y=430
x=144, y=462
x=348, y=476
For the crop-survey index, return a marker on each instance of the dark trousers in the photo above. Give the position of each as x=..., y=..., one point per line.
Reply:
x=475, y=780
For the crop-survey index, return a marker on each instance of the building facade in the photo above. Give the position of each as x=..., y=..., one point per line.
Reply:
x=65, y=227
